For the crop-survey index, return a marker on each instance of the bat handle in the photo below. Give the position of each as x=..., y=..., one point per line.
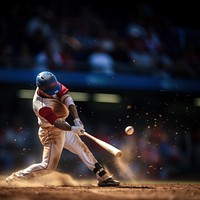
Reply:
x=88, y=135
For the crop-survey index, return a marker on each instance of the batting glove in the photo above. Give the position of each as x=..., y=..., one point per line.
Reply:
x=78, y=122
x=77, y=130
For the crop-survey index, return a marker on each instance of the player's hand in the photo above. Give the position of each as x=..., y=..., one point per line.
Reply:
x=78, y=122
x=77, y=130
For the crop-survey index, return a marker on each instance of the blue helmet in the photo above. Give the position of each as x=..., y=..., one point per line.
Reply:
x=48, y=83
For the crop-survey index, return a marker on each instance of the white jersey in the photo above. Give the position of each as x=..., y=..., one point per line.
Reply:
x=44, y=108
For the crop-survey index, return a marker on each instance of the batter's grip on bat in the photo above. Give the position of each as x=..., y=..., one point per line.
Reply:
x=99, y=169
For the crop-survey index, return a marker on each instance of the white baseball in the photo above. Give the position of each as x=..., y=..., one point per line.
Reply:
x=129, y=130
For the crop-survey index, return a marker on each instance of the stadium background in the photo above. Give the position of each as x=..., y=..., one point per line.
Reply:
x=161, y=100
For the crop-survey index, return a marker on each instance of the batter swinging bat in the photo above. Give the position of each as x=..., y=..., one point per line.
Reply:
x=108, y=147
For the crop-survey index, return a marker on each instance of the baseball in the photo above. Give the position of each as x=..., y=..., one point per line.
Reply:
x=129, y=130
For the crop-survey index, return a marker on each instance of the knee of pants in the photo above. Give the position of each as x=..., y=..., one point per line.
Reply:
x=44, y=165
x=47, y=166
x=52, y=164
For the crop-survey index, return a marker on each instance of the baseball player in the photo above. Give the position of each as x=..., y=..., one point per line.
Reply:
x=52, y=105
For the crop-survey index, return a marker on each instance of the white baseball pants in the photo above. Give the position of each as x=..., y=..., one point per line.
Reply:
x=54, y=140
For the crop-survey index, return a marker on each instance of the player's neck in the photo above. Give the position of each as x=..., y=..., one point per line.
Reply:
x=43, y=94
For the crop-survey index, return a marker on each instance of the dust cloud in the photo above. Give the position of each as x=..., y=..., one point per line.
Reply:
x=125, y=162
x=53, y=178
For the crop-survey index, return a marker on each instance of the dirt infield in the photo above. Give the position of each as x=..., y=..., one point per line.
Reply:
x=64, y=187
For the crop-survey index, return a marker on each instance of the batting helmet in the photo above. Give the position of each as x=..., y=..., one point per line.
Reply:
x=48, y=83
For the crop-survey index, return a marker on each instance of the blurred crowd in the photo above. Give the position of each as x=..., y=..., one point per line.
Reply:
x=65, y=36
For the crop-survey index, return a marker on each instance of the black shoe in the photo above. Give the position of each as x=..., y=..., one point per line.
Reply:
x=109, y=182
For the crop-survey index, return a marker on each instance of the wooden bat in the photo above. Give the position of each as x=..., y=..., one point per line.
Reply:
x=108, y=147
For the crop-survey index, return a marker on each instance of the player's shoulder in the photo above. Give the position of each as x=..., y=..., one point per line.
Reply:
x=63, y=91
x=36, y=97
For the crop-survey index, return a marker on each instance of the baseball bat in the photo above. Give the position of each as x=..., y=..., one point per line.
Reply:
x=108, y=147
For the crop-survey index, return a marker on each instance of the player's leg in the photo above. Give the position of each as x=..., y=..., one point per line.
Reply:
x=74, y=144
x=53, y=146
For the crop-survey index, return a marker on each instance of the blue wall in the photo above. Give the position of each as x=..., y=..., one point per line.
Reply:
x=89, y=80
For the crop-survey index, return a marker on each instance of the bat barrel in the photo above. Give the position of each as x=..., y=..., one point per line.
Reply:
x=110, y=148
x=118, y=154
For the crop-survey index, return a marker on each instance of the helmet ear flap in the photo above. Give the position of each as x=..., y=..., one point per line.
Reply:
x=48, y=83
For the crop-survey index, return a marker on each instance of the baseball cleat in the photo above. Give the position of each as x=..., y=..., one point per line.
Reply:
x=109, y=182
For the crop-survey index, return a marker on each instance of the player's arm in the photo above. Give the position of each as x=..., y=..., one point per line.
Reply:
x=58, y=123
x=69, y=102
x=48, y=114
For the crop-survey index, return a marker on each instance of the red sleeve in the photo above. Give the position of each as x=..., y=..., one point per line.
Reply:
x=48, y=114
x=63, y=91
